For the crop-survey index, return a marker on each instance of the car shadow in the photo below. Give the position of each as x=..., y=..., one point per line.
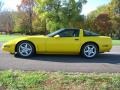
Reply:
x=101, y=58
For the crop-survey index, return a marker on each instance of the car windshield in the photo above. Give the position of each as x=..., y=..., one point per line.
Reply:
x=54, y=33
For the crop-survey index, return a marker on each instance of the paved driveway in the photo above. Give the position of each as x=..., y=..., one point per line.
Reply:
x=108, y=62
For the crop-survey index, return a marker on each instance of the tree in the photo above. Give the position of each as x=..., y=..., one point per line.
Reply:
x=113, y=12
x=102, y=23
x=6, y=21
x=90, y=21
x=115, y=5
x=60, y=13
x=21, y=23
x=26, y=7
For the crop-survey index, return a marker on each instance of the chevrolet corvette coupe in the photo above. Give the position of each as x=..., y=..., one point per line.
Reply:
x=63, y=41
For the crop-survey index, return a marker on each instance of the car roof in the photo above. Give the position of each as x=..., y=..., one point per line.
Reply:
x=71, y=28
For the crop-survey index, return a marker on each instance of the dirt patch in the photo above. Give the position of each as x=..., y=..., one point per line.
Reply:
x=2, y=88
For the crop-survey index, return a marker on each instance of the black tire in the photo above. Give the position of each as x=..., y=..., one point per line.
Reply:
x=91, y=52
x=23, y=52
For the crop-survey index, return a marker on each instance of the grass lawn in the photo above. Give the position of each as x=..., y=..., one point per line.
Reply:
x=5, y=38
x=116, y=42
x=18, y=80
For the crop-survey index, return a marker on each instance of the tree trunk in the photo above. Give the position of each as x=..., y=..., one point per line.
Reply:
x=30, y=26
x=119, y=34
x=30, y=16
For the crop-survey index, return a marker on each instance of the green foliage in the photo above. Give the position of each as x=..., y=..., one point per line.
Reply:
x=93, y=21
x=21, y=23
x=39, y=26
x=103, y=24
x=17, y=80
x=112, y=9
x=59, y=13
x=49, y=15
x=52, y=26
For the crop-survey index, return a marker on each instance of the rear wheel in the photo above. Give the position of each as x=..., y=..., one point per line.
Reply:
x=25, y=49
x=89, y=50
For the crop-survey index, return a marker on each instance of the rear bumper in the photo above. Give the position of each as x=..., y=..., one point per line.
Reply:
x=106, y=48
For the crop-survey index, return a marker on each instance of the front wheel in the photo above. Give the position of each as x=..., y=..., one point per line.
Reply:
x=25, y=49
x=89, y=50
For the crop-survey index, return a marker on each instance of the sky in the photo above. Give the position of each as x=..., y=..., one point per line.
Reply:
x=92, y=5
x=10, y=4
x=87, y=8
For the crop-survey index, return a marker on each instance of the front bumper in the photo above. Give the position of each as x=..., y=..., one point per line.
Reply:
x=8, y=48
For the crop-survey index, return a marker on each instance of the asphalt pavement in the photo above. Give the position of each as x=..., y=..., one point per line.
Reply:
x=107, y=62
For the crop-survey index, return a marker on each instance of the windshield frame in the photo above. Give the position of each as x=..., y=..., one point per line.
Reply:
x=52, y=34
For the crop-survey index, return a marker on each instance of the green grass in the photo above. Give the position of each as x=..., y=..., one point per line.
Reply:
x=17, y=80
x=5, y=38
x=116, y=42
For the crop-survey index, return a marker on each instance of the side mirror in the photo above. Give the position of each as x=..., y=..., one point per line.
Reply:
x=56, y=36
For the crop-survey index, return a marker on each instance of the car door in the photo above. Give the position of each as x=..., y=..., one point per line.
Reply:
x=68, y=42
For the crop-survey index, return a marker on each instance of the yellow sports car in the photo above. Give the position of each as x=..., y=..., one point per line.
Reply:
x=63, y=41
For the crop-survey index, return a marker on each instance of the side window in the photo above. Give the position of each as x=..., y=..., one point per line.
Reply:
x=69, y=33
x=88, y=33
x=76, y=33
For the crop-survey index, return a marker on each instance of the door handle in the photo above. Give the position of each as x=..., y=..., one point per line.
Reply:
x=76, y=39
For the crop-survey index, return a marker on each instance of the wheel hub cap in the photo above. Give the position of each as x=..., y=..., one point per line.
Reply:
x=25, y=49
x=90, y=51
